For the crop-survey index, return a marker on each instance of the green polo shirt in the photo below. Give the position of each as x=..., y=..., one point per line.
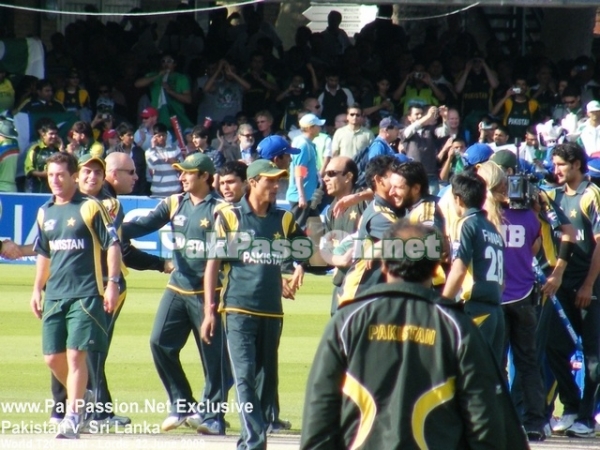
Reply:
x=191, y=228
x=583, y=210
x=481, y=249
x=73, y=236
x=252, y=280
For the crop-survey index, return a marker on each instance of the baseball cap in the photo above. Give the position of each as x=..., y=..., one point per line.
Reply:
x=88, y=158
x=229, y=119
x=389, y=122
x=109, y=134
x=196, y=162
x=309, y=120
x=505, y=159
x=149, y=112
x=265, y=168
x=594, y=167
x=477, y=154
x=273, y=146
x=593, y=106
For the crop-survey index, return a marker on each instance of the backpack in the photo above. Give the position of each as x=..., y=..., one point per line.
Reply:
x=361, y=159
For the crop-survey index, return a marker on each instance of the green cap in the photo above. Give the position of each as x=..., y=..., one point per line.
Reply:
x=84, y=160
x=196, y=162
x=265, y=168
x=505, y=159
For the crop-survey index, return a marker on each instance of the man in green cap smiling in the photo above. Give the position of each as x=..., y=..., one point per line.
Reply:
x=251, y=299
x=191, y=215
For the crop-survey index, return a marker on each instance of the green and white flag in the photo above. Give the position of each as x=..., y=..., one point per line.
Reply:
x=23, y=56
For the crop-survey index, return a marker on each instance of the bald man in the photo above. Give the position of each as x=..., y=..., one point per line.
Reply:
x=340, y=177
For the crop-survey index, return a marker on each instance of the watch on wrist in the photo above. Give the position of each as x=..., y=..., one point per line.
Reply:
x=114, y=279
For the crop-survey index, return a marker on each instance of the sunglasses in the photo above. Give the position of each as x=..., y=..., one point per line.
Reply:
x=128, y=171
x=334, y=173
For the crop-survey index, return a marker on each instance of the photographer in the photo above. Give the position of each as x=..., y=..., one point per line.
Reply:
x=521, y=233
x=518, y=110
x=418, y=88
x=475, y=86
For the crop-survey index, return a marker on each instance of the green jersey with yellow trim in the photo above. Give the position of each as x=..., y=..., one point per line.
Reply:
x=191, y=226
x=252, y=278
x=364, y=271
x=551, y=219
x=73, y=236
x=399, y=366
x=481, y=248
x=583, y=210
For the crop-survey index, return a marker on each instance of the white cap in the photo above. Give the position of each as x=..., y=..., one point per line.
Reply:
x=593, y=106
x=308, y=120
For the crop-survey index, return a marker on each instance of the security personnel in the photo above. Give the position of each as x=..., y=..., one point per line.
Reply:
x=579, y=292
x=251, y=300
x=410, y=189
x=191, y=215
x=377, y=218
x=478, y=262
x=398, y=368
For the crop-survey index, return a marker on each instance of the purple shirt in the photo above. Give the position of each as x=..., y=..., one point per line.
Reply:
x=520, y=230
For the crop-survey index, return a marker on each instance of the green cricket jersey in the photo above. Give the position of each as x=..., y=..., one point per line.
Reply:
x=427, y=212
x=481, y=249
x=192, y=227
x=583, y=210
x=36, y=158
x=376, y=220
x=73, y=236
x=252, y=277
x=551, y=220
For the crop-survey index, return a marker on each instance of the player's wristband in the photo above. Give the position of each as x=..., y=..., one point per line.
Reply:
x=565, y=250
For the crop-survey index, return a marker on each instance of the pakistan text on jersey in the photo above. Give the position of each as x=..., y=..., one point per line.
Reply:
x=67, y=244
x=243, y=246
x=401, y=333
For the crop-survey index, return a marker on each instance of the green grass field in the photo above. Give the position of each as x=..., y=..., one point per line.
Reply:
x=130, y=370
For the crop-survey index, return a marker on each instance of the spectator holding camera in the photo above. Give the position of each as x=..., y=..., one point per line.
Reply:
x=418, y=88
x=421, y=143
x=518, y=110
x=143, y=136
x=222, y=92
x=475, y=85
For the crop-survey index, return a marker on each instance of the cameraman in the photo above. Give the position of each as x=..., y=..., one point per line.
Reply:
x=521, y=233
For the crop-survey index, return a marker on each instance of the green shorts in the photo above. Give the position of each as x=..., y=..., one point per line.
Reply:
x=76, y=324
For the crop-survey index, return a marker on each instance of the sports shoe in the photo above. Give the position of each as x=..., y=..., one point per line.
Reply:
x=535, y=435
x=564, y=423
x=278, y=426
x=55, y=420
x=194, y=421
x=67, y=429
x=212, y=427
x=172, y=422
x=580, y=430
x=120, y=421
x=547, y=430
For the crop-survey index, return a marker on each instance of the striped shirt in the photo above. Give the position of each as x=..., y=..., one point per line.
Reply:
x=163, y=177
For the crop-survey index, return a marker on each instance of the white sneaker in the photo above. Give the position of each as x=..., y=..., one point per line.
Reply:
x=565, y=422
x=55, y=420
x=194, y=421
x=172, y=422
x=580, y=430
x=67, y=430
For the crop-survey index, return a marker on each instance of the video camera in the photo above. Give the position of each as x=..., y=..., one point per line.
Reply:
x=523, y=189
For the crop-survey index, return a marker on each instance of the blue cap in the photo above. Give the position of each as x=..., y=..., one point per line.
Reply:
x=402, y=157
x=594, y=167
x=273, y=146
x=389, y=122
x=477, y=154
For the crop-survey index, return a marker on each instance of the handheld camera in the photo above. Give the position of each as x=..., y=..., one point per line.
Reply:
x=523, y=189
